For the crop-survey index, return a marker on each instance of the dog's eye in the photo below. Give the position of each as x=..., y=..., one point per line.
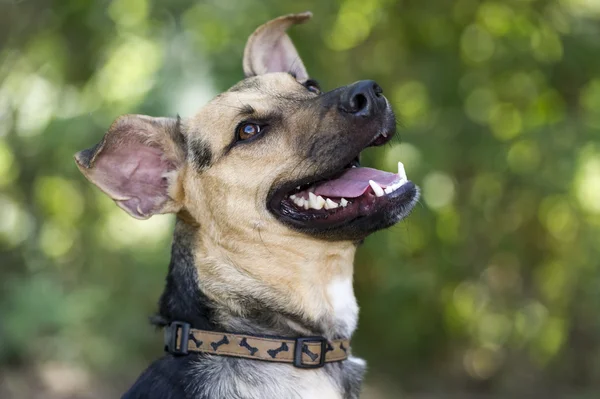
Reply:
x=248, y=130
x=313, y=86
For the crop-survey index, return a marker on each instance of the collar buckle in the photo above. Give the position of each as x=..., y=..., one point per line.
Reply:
x=171, y=338
x=299, y=349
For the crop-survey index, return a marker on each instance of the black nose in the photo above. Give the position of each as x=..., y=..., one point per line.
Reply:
x=362, y=98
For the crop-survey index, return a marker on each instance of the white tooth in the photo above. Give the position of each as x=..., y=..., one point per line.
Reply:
x=305, y=204
x=343, y=202
x=298, y=188
x=401, y=171
x=320, y=202
x=314, y=201
x=329, y=204
x=293, y=197
x=376, y=188
x=388, y=189
x=384, y=134
x=299, y=201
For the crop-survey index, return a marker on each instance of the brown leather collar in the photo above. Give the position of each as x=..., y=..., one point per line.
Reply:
x=304, y=352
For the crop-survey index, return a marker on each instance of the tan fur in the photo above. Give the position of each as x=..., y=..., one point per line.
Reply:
x=242, y=250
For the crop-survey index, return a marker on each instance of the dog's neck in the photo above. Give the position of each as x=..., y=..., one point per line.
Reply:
x=300, y=289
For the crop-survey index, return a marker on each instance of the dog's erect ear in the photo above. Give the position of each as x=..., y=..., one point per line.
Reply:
x=136, y=164
x=270, y=49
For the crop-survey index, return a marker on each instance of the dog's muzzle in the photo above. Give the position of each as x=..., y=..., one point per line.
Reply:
x=303, y=352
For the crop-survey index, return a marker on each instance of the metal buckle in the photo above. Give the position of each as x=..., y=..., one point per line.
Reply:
x=171, y=338
x=300, y=346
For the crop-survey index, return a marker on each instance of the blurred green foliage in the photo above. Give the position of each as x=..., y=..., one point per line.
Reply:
x=492, y=286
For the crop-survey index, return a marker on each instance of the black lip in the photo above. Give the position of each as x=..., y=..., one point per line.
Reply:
x=362, y=207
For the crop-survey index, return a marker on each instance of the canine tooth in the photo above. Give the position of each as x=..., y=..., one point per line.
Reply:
x=401, y=171
x=320, y=202
x=384, y=134
x=376, y=188
x=343, y=202
x=329, y=204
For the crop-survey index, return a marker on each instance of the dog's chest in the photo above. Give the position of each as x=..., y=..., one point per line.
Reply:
x=222, y=377
x=318, y=385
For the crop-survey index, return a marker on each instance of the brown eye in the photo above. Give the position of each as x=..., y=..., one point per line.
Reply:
x=248, y=130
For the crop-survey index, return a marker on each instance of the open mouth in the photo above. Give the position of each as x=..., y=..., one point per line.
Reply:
x=353, y=193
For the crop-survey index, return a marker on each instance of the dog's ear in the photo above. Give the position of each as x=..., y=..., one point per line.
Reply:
x=136, y=164
x=270, y=49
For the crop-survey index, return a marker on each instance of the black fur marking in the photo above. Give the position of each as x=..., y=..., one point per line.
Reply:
x=274, y=352
x=244, y=344
x=342, y=347
x=313, y=356
x=224, y=341
x=329, y=347
x=247, y=110
x=197, y=342
x=182, y=300
x=176, y=135
x=200, y=154
x=86, y=156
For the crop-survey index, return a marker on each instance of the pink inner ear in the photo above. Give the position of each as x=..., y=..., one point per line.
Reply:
x=276, y=59
x=133, y=175
x=283, y=58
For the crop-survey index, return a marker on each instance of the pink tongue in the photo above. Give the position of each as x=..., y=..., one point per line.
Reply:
x=354, y=182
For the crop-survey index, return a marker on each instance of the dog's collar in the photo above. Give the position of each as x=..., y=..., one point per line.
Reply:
x=304, y=352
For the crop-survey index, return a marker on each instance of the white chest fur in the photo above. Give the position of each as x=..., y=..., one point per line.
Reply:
x=344, y=307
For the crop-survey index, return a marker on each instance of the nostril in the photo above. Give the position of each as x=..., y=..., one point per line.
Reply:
x=377, y=89
x=359, y=102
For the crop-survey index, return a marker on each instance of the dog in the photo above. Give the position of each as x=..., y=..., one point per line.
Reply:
x=270, y=203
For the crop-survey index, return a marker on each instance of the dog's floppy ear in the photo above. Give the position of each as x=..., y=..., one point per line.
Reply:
x=136, y=164
x=270, y=49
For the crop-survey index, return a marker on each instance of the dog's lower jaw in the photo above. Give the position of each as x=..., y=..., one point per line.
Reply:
x=219, y=376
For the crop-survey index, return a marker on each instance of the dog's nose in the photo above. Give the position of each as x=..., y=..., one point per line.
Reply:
x=362, y=98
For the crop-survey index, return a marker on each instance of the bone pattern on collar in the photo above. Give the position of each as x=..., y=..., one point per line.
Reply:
x=279, y=350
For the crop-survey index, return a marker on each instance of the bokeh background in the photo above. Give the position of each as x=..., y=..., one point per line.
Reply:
x=490, y=289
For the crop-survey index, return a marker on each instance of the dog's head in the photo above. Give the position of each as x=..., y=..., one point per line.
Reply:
x=271, y=153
